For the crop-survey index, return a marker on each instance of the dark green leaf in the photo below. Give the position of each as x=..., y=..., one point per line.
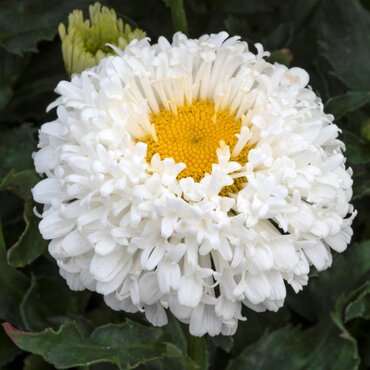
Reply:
x=11, y=67
x=349, y=271
x=256, y=325
x=24, y=23
x=30, y=244
x=319, y=348
x=251, y=6
x=177, y=358
x=345, y=41
x=35, y=88
x=176, y=333
x=20, y=183
x=279, y=38
x=362, y=190
x=361, y=185
x=127, y=345
x=343, y=104
x=13, y=286
x=61, y=302
x=7, y=349
x=35, y=362
x=357, y=149
x=102, y=314
x=11, y=209
x=235, y=26
x=16, y=147
x=359, y=305
x=224, y=342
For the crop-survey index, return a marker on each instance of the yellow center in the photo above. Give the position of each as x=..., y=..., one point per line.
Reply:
x=193, y=135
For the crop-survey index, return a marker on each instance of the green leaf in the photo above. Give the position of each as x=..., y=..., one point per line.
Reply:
x=24, y=23
x=7, y=349
x=343, y=104
x=126, y=345
x=242, y=7
x=357, y=149
x=101, y=314
x=16, y=147
x=224, y=342
x=279, y=38
x=35, y=362
x=345, y=35
x=177, y=358
x=13, y=286
x=359, y=307
x=30, y=244
x=176, y=333
x=20, y=183
x=362, y=190
x=257, y=325
x=61, y=302
x=319, y=348
x=35, y=89
x=350, y=270
x=11, y=67
x=361, y=184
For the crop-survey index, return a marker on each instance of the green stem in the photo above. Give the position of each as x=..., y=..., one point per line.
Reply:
x=197, y=351
x=178, y=15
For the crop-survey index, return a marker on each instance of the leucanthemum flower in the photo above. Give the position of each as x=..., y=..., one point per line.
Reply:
x=84, y=42
x=192, y=177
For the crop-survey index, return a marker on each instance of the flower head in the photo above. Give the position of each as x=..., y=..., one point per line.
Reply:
x=195, y=177
x=84, y=43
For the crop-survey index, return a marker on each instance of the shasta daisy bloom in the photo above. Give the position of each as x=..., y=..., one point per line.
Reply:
x=84, y=42
x=192, y=177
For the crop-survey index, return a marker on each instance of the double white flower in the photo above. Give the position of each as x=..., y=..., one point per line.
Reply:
x=131, y=230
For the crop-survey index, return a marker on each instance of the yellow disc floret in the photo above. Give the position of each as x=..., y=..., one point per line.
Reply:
x=193, y=135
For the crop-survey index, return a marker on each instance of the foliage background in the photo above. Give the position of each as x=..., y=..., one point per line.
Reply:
x=325, y=327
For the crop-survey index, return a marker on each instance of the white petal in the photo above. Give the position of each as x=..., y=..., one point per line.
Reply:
x=169, y=276
x=203, y=320
x=102, y=267
x=47, y=190
x=75, y=244
x=318, y=255
x=190, y=291
x=151, y=256
x=257, y=288
x=149, y=289
x=54, y=226
x=181, y=312
x=278, y=290
x=156, y=315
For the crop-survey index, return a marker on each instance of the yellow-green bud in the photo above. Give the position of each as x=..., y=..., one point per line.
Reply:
x=84, y=42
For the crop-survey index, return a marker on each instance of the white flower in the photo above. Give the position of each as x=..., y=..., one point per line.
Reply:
x=192, y=177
